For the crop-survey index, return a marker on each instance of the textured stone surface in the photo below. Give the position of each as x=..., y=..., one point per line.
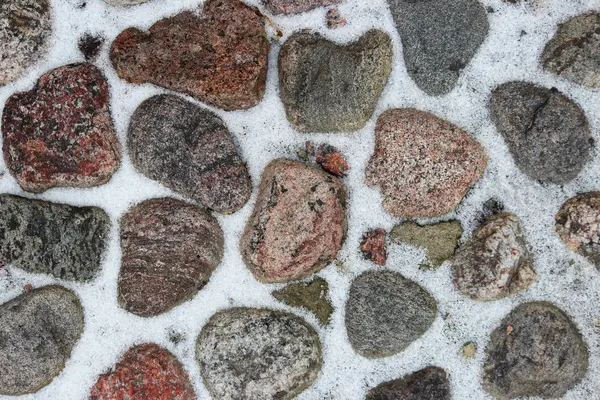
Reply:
x=124, y=3
x=440, y=240
x=574, y=52
x=313, y=295
x=247, y=353
x=42, y=237
x=298, y=224
x=439, y=39
x=536, y=351
x=190, y=150
x=61, y=132
x=430, y=383
x=373, y=246
x=169, y=251
x=386, y=312
x=422, y=164
x=495, y=262
x=328, y=87
x=578, y=225
x=331, y=160
x=219, y=57
x=25, y=29
x=38, y=330
x=145, y=372
x=295, y=6
x=546, y=132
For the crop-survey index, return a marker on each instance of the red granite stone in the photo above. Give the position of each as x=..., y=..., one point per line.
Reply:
x=372, y=246
x=331, y=160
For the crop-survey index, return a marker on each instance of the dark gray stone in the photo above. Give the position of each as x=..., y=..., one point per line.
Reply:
x=535, y=352
x=327, y=87
x=430, y=383
x=42, y=237
x=546, y=132
x=439, y=39
x=38, y=330
x=387, y=312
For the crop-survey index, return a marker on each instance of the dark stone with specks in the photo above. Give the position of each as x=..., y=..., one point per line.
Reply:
x=430, y=383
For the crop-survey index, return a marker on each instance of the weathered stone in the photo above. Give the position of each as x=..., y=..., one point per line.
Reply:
x=574, y=52
x=386, y=312
x=430, y=383
x=295, y=6
x=90, y=45
x=25, y=29
x=124, y=3
x=61, y=132
x=38, y=330
x=578, y=225
x=145, y=372
x=535, y=352
x=328, y=87
x=247, y=353
x=219, y=57
x=298, y=224
x=169, y=251
x=546, y=132
x=495, y=262
x=312, y=295
x=42, y=237
x=422, y=164
x=440, y=240
x=190, y=150
x=439, y=39
x=372, y=246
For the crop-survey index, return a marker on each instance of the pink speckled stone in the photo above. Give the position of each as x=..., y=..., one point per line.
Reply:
x=422, y=164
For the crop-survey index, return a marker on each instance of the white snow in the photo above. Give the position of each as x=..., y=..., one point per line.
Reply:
x=511, y=51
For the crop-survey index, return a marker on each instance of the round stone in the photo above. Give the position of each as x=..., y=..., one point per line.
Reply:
x=430, y=383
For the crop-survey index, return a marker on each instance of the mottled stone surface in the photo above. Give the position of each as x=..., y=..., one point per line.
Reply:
x=578, y=225
x=430, y=383
x=49, y=238
x=190, y=150
x=124, y=3
x=546, y=132
x=386, y=312
x=169, y=251
x=536, y=351
x=329, y=87
x=295, y=6
x=145, y=372
x=495, y=262
x=574, y=52
x=25, y=29
x=313, y=295
x=61, y=132
x=373, y=246
x=439, y=39
x=298, y=224
x=247, y=353
x=218, y=57
x=38, y=330
x=422, y=164
x=440, y=239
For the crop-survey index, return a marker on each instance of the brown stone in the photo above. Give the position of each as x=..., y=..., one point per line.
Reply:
x=372, y=246
x=430, y=383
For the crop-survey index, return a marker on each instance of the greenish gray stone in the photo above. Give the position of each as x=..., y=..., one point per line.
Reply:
x=311, y=295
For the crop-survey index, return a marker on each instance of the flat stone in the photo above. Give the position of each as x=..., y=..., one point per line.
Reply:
x=536, y=351
x=247, y=353
x=313, y=295
x=430, y=383
x=50, y=238
x=124, y=3
x=169, y=250
x=25, y=30
x=147, y=371
x=373, y=246
x=386, y=312
x=574, y=51
x=219, y=57
x=61, y=132
x=295, y=6
x=190, y=150
x=38, y=330
x=546, y=132
x=423, y=165
x=578, y=225
x=298, y=224
x=440, y=240
x=329, y=87
x=439, y=39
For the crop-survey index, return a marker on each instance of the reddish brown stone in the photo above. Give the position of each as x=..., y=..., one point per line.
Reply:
x=219, y=57
x=331, y=160
x=373, y=246
x=295, y=6
x=298, y=224
x=61, y=132
x=145, y=372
